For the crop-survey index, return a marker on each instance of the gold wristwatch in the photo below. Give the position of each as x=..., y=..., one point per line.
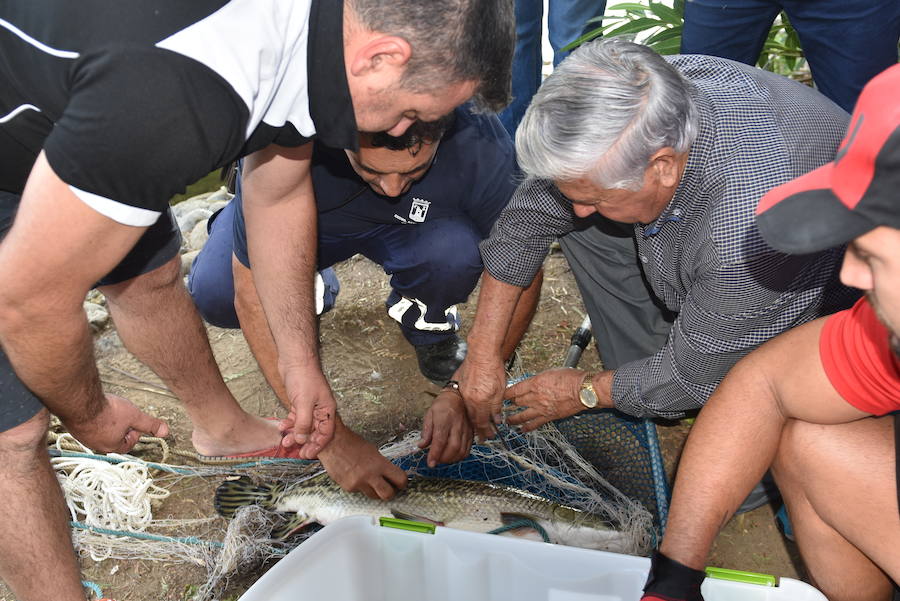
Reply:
x=587, y=395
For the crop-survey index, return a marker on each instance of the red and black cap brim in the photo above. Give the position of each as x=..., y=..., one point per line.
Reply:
x=834, y=204
x=804, y=216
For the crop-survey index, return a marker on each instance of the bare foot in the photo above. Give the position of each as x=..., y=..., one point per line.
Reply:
x=245, y=434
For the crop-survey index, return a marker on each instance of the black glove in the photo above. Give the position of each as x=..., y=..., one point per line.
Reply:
x=671, y=581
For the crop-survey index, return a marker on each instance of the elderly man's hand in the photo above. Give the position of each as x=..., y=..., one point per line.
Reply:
x=446, y=429
x=548, y=396
x=117, y=428
x=482, y=384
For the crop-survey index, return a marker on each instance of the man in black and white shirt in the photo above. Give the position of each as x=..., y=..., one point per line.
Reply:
x=106, y=110
x=679, y=149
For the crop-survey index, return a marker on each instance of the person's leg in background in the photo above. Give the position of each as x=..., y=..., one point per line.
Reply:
x=527, y=62
x=210, y=281
x=433, y=266
x=733, y=29
x=567, y=20
x=626, y=320
x=846, y=42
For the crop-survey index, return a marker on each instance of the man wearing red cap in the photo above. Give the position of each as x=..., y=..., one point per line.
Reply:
x=813, y=403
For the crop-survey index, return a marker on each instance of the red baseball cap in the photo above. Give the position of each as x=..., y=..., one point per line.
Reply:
x=857, y=192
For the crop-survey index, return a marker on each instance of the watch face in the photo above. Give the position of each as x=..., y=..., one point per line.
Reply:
x=588, y=398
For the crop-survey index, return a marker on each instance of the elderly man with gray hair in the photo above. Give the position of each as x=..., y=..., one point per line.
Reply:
x=649, y=170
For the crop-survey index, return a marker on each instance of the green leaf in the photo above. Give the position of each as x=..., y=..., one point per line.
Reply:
x=672, y=46
x=581, y=40
x=636, y=26
x=635, y=6
x=664, y=35
x=666, y=13
x=793, y=40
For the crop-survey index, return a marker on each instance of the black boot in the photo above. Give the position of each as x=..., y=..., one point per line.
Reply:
x=440, y=360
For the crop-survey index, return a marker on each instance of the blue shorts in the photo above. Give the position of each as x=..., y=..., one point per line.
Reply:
x=159, y=244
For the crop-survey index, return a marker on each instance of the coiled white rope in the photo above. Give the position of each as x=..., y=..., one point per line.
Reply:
x=106, y=495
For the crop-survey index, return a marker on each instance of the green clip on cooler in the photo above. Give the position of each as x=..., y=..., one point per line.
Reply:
x=357, y=559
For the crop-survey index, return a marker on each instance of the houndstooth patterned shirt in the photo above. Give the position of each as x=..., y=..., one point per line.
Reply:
x=703, y=256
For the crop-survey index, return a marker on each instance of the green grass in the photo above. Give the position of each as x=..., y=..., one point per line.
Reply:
x=208, y=183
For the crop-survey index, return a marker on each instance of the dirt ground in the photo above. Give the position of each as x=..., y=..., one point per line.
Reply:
x=382, y=396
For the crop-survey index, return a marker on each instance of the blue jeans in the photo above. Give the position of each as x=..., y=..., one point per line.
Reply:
x=846, y=42
x=566, y=22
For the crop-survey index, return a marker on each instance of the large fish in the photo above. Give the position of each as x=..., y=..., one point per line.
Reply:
x=462, y=504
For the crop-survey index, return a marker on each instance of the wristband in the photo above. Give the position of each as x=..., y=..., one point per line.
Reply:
x=670, y=580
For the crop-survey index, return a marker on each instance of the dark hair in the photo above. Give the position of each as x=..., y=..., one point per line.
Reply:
x=452, y=41
x=419, y=133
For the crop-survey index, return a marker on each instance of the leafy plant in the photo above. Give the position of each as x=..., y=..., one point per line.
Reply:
x=782, y=53
x=660, y=26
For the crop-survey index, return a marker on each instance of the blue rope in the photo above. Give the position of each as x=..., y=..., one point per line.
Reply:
x=189, y=540
x=98, y=592
x=523, y=523
x=178, y=470
x=274, y=461
x=160, y=466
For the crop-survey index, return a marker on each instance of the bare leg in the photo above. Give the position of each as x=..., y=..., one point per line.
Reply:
x=256, y=329
x=159, y=324
x=36, y=556
x=839, y=486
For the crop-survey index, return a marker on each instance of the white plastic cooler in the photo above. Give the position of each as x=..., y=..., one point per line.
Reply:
x=357, y=559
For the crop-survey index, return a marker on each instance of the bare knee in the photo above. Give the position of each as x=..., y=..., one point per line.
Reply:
x=837, y=482
x=26, y=439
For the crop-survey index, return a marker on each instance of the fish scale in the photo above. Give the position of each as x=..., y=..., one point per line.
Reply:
x=461, y=504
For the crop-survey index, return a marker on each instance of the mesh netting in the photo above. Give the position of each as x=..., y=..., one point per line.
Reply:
x=612, y=468
x=626, y=451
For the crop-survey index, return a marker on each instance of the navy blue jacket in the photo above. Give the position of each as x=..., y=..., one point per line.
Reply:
x=474, y=173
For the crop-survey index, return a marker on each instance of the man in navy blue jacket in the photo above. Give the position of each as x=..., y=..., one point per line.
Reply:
x=418, y=205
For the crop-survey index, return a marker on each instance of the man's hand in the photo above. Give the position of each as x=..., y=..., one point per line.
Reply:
x=311, y=422
x=357, y=466
x=446, y=428
x=482, y=384
x=546, y=397
x=117, y=428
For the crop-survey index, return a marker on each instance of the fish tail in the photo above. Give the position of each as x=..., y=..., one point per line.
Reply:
x=231, y=495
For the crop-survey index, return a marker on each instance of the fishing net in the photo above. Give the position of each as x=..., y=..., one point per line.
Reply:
x=626, y=451
x=543, y=463
x=112, y=498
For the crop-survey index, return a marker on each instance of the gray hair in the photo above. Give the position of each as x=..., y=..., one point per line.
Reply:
x=603, y=113
x=452, y=41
